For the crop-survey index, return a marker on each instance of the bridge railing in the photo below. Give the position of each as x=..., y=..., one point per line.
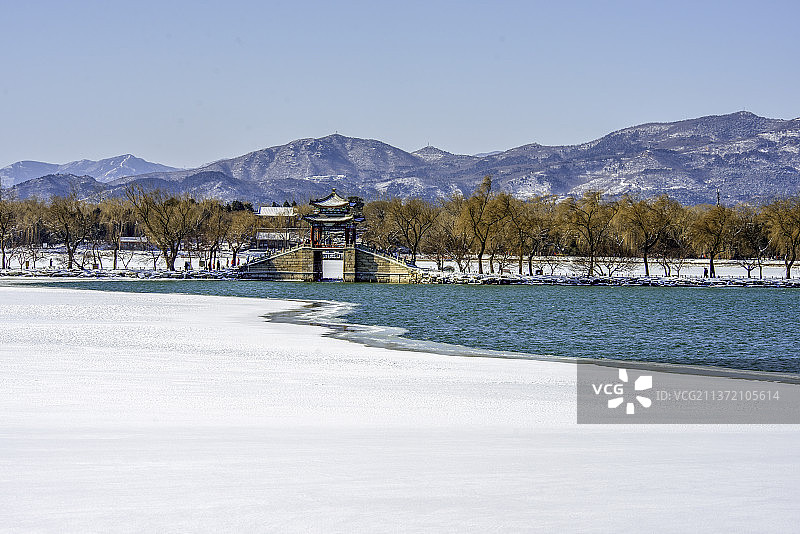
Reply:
x=385, y=254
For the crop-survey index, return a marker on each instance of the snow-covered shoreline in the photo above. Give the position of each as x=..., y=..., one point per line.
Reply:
x=427, y=277
x=122, y=411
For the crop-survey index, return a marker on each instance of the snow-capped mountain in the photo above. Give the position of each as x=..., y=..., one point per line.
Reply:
x=741, y=155
x=104, y=170
x=45, y=187
x=311, y=167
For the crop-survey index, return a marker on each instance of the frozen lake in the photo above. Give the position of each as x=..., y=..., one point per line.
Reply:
x=740, y=328
x=169, y=412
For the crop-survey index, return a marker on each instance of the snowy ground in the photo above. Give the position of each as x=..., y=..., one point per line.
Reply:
x=146, y=261
x=692, y=268
x=168, y=413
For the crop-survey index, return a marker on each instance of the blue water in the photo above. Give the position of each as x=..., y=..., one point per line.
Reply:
x=743, y=328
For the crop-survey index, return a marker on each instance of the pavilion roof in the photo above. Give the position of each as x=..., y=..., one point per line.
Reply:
x=334, y=200
x=324, y=218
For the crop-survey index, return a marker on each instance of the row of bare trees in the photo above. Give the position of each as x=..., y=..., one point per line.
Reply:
x=605, y=236
x=171, y=223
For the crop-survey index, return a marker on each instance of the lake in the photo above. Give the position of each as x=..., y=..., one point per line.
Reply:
x=742, y=328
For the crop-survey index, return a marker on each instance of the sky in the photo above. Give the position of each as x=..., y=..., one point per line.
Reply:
x=185, y=83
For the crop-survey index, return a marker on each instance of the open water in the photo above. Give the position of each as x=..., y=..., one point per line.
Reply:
x=741, y=328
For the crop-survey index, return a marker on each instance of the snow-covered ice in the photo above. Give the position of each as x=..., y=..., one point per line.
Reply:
x=153, y=412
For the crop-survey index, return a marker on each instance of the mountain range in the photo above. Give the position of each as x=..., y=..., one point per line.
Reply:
x=104, y=170
x=742, y=156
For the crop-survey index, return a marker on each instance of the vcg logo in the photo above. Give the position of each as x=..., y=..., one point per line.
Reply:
x=617, y=390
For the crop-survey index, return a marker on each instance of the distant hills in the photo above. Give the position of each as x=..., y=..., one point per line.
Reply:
x=741, y=155
x=105, y=170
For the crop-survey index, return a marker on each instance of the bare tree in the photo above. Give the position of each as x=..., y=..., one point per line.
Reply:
x=71, y=220
x=380, y=231
x=115, y=215
x=521, y=228
x=203, y=235
x=712, y=232
x=501, y=246
x=482, y=213
x=32, y=229
x=217, y=226
x=167, y=219
x=8, y=217
x=644, y=222
x=590, y=218
x=548, y=234
x=412, y=219
x=615, y=256
x=783, y=223
x=534, y=225
x=434, y=242
x=241, y=231
x=675, y=246
x=448, y=238
x=750, y=239
x=95, y=237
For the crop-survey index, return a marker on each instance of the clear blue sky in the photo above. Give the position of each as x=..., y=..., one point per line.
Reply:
x=183, y=83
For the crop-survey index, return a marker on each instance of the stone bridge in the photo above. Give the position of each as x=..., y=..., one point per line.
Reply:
x=350, y=264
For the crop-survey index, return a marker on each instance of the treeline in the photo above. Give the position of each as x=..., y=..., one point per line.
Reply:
x=170, y=223
x=606, y=236
x=490, y=228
